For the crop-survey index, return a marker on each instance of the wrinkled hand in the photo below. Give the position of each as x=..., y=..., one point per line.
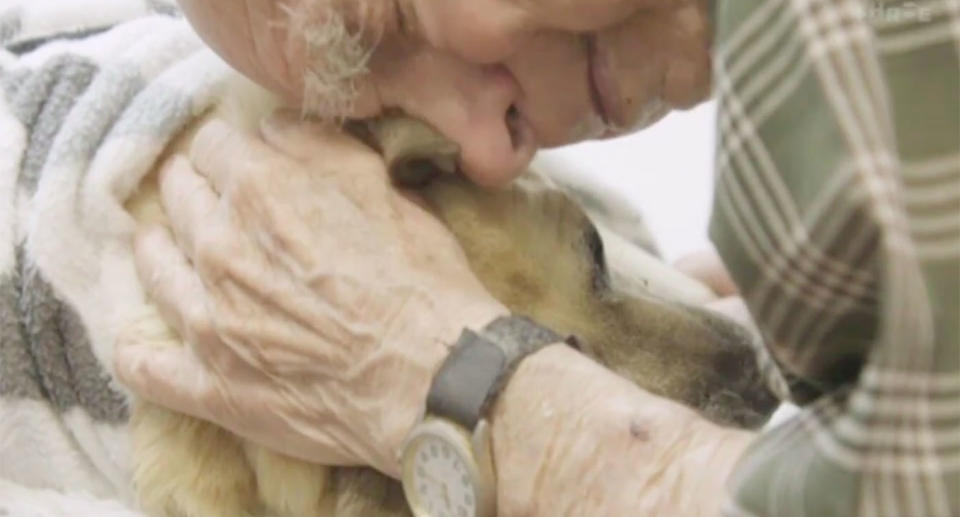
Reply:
x=317, y=301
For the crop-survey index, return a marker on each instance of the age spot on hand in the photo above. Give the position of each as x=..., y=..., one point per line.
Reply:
x=638, y=431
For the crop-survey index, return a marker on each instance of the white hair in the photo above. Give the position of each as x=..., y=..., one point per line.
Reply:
x=337, y=52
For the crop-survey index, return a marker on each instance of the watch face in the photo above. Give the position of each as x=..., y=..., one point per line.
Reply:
x=441, y=480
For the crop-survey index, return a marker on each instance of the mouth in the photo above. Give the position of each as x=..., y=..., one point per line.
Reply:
x=602, y=91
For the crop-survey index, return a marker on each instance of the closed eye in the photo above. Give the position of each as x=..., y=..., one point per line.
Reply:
x=599, y=276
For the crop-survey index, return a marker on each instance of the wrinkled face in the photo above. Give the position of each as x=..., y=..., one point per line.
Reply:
x=502, y=78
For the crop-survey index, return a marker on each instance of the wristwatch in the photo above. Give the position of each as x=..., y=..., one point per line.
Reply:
x=447, y=462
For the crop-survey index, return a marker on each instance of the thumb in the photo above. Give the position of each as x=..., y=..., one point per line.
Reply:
x=707, y=266
x=167, y=375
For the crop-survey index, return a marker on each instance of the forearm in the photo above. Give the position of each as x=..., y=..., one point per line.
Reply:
x=571, y=438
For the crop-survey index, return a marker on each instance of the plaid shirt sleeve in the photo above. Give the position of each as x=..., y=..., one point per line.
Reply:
x=837, y=211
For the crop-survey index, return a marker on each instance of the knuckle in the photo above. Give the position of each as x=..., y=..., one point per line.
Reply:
x=198, y=324
x=248, y=185
x=212, y=248
x=253, y=196
x=195, y=318
x=211, y=398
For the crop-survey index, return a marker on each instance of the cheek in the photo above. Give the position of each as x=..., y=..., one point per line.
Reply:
x=688, y=78
x=636, y=54
x=498, y=21
x=552, y=71
x=488, y=31
x=661, y=55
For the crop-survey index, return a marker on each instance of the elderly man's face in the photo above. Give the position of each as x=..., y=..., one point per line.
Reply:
x=503, y=78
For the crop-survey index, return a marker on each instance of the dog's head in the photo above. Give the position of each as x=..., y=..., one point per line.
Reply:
x=539, y=254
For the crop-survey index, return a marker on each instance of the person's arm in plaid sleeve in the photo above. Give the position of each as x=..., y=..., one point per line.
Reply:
x=838, y=215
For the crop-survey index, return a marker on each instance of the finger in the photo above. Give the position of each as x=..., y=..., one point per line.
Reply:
x=188, y=200
x=170, y=376
x=707, y=266
x=304, y=139
x=225, y=155
x=175, y=378
x=172, y=285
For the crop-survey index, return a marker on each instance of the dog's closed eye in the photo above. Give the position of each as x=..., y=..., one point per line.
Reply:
x=599, y=276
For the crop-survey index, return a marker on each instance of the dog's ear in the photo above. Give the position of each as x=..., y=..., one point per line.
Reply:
x=414, y=152
x=537, y=252
x=510, y=219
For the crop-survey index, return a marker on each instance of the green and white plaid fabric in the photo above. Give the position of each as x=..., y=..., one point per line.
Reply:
x=838, y=213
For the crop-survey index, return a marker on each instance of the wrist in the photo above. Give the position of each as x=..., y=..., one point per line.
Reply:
x=565, y=427
x=534, y=424
x=704, y=468
x=444, y=328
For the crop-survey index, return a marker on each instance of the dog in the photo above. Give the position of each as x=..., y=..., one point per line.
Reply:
x=537, y=251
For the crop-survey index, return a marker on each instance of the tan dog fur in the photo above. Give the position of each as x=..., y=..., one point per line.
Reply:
x=537, y=252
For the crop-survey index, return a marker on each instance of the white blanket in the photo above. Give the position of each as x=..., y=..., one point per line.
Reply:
x=21, y=501
x=92, y=90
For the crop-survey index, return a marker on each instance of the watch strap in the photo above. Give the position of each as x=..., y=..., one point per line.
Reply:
x=480, y=364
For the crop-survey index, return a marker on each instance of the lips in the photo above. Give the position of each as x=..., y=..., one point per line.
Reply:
x=603, y=90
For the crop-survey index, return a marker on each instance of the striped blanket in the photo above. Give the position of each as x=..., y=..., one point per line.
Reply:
x=92, y=90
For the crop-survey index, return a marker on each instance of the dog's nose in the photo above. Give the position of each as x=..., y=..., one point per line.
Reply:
x=740, y=395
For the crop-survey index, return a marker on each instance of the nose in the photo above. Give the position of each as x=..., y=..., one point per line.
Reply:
x=496, y=142
x=741, y=396
x=738, y=393
x=472, y=105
